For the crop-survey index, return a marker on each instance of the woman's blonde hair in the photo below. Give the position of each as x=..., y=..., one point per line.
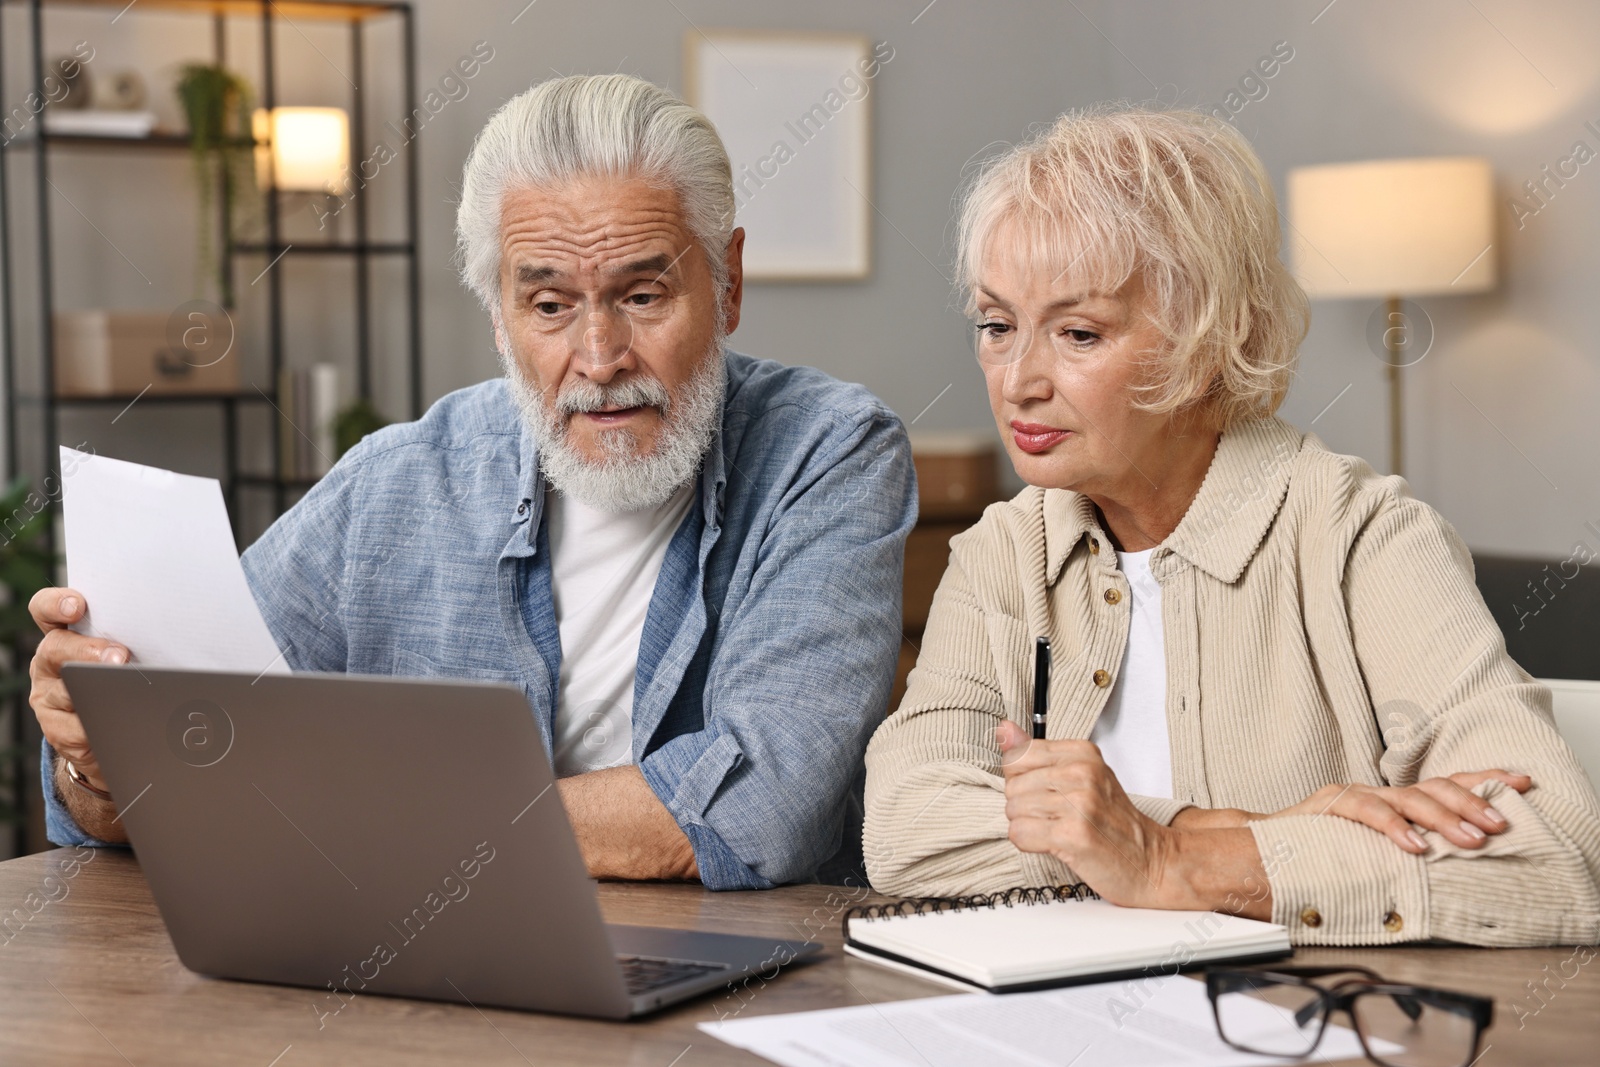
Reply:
x=1180, y=199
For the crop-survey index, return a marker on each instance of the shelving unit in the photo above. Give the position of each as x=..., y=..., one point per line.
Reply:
x=40, y=145
x=28, y=293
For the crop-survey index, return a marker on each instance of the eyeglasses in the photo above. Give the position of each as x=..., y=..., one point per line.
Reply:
x=1397, y=1025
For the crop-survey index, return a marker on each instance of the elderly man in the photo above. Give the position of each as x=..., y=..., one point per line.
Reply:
x=688, y=559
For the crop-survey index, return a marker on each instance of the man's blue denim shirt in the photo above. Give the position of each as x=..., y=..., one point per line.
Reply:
x=769, y=647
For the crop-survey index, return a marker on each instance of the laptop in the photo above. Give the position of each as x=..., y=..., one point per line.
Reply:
x=356, y=835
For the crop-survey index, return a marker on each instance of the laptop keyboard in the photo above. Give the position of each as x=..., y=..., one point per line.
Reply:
x=644, y=973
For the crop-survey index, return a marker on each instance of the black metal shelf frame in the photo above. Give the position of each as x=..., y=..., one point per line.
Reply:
x=47, y=406
x=361, y=250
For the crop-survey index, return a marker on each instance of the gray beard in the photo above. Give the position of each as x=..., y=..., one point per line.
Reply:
x=622, y=479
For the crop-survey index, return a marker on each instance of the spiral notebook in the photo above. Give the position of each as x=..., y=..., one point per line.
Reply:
x=1026, y=939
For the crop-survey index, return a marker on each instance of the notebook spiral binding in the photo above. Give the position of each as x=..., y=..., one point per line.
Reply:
x=1010, y=898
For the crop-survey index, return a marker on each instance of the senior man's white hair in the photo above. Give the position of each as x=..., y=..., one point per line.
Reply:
x=605, y=124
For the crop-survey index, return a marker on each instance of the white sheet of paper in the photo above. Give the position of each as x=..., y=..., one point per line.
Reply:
x=1154, y=1021
x=153, y=555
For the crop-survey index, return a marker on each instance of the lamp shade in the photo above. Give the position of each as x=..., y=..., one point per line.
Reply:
x=1394, y=227
x=307, y=150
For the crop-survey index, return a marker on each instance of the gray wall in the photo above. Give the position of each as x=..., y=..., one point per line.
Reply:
x=1501, y=413
x=951, y=89
x=1515, y=82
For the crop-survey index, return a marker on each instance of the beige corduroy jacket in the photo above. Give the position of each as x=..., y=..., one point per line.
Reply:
x=1321, y=626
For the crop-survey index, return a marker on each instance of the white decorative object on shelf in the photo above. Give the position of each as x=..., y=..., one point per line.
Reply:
x=123, y=91
x=98, y=123
x=324, y=410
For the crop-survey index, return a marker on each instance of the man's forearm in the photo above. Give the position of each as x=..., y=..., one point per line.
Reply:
x=623, y=829
x=95, y=817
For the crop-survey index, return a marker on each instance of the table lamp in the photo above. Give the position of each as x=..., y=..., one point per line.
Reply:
x=302, y=149
x=1393, y=228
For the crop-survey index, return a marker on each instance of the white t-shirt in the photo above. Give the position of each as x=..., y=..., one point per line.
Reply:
x=603, y=570
x=1132, y=730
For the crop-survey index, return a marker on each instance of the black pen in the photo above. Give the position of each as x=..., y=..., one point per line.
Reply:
x=1041, y=685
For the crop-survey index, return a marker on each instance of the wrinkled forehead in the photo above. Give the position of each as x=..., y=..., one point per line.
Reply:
x=591, y=226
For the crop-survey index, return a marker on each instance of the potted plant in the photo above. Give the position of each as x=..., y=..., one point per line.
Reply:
x=216, y=103
x=358, y=419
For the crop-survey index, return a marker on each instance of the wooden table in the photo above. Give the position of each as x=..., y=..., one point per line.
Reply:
x=90, y=977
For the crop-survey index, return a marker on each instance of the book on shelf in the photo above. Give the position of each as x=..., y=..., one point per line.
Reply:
x=324, y=412
x=308, y=404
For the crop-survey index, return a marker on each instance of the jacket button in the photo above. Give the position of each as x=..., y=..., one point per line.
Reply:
x=1094, y=547
x=1392, y=922
x=1113, y=596
x=1102, y=679
x=1311, y=917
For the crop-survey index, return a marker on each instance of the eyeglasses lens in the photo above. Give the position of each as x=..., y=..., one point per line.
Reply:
x=1270, y=1017
x=1405, y=1031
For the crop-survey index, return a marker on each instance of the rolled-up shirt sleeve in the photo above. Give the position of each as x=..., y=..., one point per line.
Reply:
x=803, y=670
x=60, y=828
x=296, y=573
x=1466, y=706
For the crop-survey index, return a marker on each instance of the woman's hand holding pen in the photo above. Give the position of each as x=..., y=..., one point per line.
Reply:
x=1062, y=800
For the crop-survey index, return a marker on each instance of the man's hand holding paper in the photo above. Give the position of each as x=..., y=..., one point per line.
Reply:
x=153, y=554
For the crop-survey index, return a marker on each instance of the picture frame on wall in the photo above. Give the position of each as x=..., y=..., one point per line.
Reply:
x=794, y=111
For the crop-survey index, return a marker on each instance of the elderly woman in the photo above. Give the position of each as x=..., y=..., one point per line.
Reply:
x=1277, y=691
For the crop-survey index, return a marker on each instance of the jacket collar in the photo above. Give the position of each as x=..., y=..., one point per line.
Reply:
x=1068, y=518
x=714, y=470
x=1243, y=489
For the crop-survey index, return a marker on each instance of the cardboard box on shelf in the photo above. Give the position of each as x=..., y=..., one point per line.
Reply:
x=957, y=473
x=115, y=353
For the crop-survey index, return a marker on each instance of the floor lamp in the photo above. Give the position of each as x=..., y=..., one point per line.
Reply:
x=1390, y=229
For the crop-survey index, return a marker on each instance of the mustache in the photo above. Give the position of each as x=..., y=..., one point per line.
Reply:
x=584, y=396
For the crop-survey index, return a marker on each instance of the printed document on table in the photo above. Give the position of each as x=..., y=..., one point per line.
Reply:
x=1151, y=1021
x=153, y=554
